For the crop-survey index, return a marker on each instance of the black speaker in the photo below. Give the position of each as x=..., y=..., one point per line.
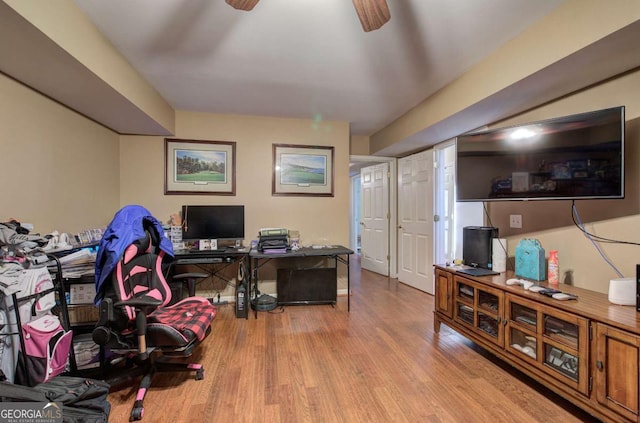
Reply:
x=477, y=245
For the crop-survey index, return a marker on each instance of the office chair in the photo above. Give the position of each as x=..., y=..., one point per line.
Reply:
x=137, y=322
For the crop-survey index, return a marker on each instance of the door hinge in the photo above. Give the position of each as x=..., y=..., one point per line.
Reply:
x=590, y=332
x=590, y=384
x=388, y=258
x=436, y=218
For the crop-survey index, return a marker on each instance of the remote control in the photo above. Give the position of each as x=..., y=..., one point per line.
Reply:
x=549, y=292
x=536, y=288
x=563, y=297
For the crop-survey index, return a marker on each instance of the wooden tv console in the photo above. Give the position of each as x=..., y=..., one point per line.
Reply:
x=586, y=350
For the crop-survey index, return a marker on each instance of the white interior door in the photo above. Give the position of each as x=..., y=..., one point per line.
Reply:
x=445, y=203
x=415, y=221
x=375, y=218
x=451, y=216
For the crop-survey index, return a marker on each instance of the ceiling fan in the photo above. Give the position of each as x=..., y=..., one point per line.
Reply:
x=372, y=13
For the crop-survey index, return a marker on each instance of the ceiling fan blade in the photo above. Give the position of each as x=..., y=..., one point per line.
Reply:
x=242, y=4
x=372, y=13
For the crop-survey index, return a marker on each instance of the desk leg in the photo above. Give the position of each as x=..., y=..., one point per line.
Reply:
x=348, y=285
x=254, y=280
x=191, y=287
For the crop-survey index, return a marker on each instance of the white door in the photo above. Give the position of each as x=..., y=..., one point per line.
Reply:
x=375, y=218
x=415, y=221
x=445, y=203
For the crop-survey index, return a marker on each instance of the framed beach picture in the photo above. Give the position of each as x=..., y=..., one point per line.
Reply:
x=200, y=167
x=302, y=170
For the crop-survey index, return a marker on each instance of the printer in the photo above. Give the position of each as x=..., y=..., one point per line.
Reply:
x=274, y=240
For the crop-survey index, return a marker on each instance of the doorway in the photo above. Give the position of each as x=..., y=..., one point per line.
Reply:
x=356, y=164
x=449, y=216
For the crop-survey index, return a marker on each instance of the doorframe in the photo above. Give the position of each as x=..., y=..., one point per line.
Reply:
x=463, y=213
x=354, y=215
x=440, y=254
x=393, y=204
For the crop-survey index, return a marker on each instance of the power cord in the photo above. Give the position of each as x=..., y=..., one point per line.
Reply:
x=595, y=239
x=509, y=265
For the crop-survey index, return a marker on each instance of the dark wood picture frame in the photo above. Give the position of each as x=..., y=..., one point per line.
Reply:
x=199, y=167
x=302, y=170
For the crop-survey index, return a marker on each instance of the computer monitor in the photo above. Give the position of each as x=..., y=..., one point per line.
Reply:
x=477, y=246
x=212, y=222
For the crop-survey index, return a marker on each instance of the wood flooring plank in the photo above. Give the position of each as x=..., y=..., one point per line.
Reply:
x=380, y=362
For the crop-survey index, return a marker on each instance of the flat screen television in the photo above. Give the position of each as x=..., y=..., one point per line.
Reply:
x=567, y=158
x=212, y=222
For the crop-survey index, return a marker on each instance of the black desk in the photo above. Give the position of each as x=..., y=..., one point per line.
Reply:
x=210, y=262
x=338, y=253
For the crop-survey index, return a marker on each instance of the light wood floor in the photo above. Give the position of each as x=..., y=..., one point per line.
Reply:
x=381, y=362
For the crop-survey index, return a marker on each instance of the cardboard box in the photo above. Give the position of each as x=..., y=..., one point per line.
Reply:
x=79, y=314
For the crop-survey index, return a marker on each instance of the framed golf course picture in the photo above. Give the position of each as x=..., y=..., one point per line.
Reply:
x=302, y=170
x=200, y=167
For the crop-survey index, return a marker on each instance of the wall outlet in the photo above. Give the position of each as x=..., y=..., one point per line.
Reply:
x=515, y=221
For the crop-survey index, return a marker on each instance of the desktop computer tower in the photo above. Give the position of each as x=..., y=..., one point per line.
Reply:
x=477, y=245
x=242, y=302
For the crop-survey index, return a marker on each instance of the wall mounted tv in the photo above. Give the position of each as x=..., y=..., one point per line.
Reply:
x=212, y=222
x=567, y=158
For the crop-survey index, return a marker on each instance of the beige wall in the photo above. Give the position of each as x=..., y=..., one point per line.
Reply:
x=319, y=219
x=66, y=25
x=359, y=145
x=550, y=221
x=322, y=220
x=60, y=171
x=64, y=172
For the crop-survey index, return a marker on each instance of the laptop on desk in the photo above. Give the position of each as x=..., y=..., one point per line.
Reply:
x=477, y=271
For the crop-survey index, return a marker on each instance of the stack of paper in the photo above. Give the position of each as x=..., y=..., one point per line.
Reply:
x=77, y=264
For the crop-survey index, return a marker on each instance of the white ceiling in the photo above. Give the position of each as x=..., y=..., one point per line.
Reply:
x=307, y=58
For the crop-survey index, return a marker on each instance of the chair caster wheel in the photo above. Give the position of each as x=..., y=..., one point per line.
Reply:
x=200, y=374
x=136, y=414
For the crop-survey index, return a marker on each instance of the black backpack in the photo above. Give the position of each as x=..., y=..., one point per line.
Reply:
x=83, y=400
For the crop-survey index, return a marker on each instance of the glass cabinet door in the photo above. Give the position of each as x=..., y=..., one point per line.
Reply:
x=522, y=332
x=561, y=331
x=561, y=346
x=562, y=361
x=488, y=318
x=480, y=308
x=465, y=300
x=523, y=342
x=465, y=292
x=553, y=340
